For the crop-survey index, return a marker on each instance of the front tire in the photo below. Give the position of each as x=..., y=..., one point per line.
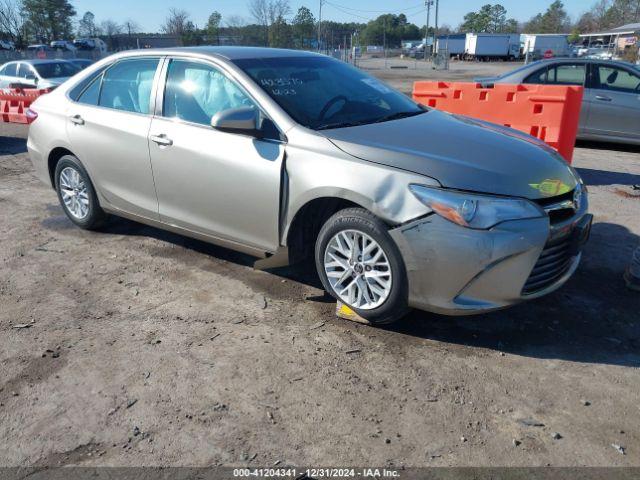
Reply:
x=360, y=265
x=77, y=195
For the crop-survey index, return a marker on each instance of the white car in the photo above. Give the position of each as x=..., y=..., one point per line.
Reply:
x=43, y=74
x=7, y=45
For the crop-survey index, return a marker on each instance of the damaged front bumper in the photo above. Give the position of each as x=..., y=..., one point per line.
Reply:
x=454, y=270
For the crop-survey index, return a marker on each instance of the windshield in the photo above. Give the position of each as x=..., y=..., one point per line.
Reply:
x=56, y=69
x=322, y=93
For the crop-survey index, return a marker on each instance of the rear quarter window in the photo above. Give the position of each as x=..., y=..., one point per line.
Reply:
x=78, y=90
x=537, y=77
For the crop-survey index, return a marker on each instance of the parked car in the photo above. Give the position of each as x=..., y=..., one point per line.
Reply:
x=39, y=47
x=610, y=109
x=84, y=43
x=283, y=154
x=90, y=44
x=81, y=63
x=7, y=45
x=37, y=73
x=63, y=45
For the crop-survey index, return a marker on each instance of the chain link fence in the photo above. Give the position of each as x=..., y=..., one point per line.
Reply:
x=11, y=55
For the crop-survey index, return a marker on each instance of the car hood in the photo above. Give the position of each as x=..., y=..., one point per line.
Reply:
x=461, y=153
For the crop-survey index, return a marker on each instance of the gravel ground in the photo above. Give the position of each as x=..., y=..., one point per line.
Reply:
x=141, y=347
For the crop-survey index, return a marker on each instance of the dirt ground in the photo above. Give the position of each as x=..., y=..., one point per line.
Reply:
x=401, y=73
x=132, y=346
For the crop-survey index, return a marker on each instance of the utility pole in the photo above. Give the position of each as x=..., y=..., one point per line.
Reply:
x=319, y=24
x=384, y=40
x=435, y=30
x=427, y=4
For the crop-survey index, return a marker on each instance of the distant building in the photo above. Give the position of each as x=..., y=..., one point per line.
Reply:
x=618, y=39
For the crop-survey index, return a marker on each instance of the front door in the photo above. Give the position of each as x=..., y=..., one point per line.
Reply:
x=219, y=184
x=109, y=127
x=614, y=99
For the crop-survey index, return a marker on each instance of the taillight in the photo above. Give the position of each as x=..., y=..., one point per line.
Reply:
x=31, y=115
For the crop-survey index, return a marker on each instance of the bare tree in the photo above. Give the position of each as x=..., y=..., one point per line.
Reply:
x=235, y=21
x=267, y=12
x=130, y=27
x=12, y=22
x=278, y=9
x=177, y=23
x=110, y=28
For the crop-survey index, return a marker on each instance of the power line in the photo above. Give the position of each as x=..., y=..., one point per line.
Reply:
x=419, y=5
x=347, y=12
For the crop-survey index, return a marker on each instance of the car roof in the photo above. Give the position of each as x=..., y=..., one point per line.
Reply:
x=38, y=61
x=577, y=60
x=228, y=53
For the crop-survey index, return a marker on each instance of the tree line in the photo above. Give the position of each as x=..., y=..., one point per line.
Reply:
x=603, y=15
x=273, y=23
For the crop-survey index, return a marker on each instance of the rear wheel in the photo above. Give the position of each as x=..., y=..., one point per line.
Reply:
x=360, y=265
x=77, y=195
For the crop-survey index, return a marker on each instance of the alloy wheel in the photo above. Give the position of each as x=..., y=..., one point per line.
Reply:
x=358, y=269
x=74, y=193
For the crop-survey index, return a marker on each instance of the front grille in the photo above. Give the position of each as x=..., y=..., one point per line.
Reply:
x=559, y=208
x=553, y=263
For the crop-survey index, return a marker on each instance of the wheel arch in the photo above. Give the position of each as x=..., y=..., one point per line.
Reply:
x=301, y=232
x=52, y=161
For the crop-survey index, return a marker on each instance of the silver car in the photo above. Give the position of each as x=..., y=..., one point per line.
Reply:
x=611, y=105
x=41, y=74
x=287, y=155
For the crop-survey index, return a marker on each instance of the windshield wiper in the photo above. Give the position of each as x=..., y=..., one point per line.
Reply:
x=399, y=115
x=328, y=126
x=393, y=116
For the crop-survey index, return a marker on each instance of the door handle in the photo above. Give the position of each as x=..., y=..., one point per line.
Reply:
x=161, y=140
x=602, y=98
x=77, y=120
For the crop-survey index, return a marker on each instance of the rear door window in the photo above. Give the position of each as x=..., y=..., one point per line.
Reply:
x=617, y=79
x=25, y=71
x=127, y=85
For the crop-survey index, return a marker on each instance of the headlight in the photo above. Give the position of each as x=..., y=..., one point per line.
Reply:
x=475, y=211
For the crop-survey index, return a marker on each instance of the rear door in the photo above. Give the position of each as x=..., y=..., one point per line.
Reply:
x=108, y=128
x=566, y=73
x=614, y=99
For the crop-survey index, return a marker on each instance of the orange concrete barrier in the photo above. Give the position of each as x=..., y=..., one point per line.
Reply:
x=14, y=103
x=548, y=112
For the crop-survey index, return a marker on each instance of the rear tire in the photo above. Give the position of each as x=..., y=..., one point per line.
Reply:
x=77, y=195
x=360, y=265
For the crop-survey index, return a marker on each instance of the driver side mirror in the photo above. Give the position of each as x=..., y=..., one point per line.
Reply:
x=242, y=120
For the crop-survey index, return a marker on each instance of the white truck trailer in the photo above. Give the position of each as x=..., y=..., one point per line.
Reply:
x=492, y=46
x=540, y=44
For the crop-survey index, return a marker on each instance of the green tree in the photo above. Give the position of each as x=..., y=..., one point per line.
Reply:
x=303, y=27
x=280, y=34
x=554, y=20
x=489, y=19
x=213, y=27
x=87, y=25
x=391, y=29
x=48, y=20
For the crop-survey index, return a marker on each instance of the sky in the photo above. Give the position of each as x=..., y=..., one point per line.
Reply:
x=150, y=14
